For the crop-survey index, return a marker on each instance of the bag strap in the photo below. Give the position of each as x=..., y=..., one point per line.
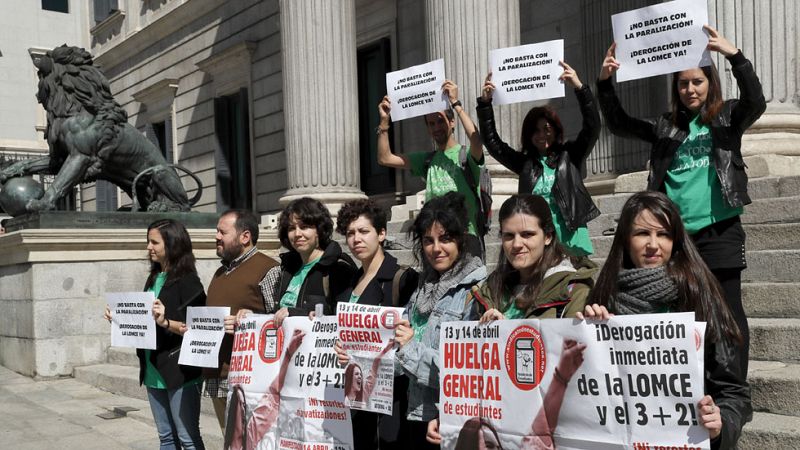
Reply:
x=396, y=284
x=428, y=160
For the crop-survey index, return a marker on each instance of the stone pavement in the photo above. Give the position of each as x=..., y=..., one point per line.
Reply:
x=63, y=413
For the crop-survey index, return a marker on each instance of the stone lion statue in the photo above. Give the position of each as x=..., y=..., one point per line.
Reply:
x=90, y=139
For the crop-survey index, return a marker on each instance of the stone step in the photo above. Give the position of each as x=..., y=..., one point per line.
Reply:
x=774, y=339
x=771, y=382
x=763, y=266
x=757, y=188
x=771, y=299
x=770, y=431
x=122, y=380
x=122, y=357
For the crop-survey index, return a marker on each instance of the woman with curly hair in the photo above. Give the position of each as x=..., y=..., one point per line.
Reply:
x=314, y=270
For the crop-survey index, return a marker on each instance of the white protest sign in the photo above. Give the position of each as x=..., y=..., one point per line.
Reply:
x=630, y=382
x=661, y=39
x=132, y=322
x=417, y=90
x=203, y=337
x=312, y=410
x=528, y=72
x=366, y=333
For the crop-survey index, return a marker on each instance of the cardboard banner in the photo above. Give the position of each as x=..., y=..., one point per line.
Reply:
x=367, y=335
x=661, y=39
x=528, y=72
x=132, y=322
x=286, y=387
x=203, y=337
x=630, y=382
x=417, y=90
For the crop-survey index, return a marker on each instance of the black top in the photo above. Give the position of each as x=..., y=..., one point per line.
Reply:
x=176, y=295
x=379, y=289
x=334, y=269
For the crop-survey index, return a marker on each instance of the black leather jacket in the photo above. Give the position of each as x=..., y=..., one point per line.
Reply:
x=574, y=201
x=729, y=389
x=727, y=129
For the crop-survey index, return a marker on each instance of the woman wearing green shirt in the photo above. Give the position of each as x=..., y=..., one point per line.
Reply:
x=696, y=159
x=534, y=276
x=172, y=389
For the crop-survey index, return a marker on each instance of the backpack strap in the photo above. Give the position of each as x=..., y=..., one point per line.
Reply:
x=396, y=284
x=428, y=160
x=473, y=188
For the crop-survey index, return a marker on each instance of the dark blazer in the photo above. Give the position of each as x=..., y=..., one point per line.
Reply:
x=665, y=137
x=379, y=289
x=337, y=267
x=569, y=192
x=176, y=295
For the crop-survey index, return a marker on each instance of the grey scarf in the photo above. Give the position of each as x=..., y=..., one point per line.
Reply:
x=433, y=286
x=645, y=291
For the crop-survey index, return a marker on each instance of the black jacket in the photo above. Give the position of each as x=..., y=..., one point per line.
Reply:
x=334, y=269
x=727, y=129
x=574, y=201
x=727, y=386
x=176, y=295
x=379, y=289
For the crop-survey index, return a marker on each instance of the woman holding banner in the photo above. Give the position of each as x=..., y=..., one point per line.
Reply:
x=696, y=159
x=172, y=389
x=654, y=267
x=314, y=270
x=439, y=234
x=547, y=165
x=380, y=281
x=534, y=277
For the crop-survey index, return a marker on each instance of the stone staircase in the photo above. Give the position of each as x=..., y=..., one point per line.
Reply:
x=770, y=291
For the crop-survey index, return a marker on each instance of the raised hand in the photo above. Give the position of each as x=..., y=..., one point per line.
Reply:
x=570, y=76
x=610, y=63
x=718, y=43
x=488, y=88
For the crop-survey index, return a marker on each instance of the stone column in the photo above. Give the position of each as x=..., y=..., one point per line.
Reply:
x=462, y=32
x=320, y=100
x=767, y=33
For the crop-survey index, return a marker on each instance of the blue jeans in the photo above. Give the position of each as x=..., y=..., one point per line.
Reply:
x=177, y=416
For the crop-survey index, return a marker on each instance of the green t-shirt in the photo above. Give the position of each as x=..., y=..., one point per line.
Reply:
x=445, y=175
x=152, y=378
x=418, y=323
x=576, y=242
x=289, y=299
x=692, y=181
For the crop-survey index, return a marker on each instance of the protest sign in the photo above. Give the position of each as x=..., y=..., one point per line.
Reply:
x=132, y=322
x=313, y=410
x=205, y=328
x=367, y=335
x=417, y=90
x=286, y=386
x=528, y=72
x=661, y=39
x=630, y=382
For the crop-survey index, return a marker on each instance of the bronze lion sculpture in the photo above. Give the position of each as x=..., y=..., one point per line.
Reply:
x=90, y=139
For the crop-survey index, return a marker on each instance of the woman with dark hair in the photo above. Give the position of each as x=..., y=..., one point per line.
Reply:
x=172, y=389
x=547, y=165
x=448, y=273
x=314, y=270
x=534, y=276
x=654, y=267
x=380, y=281
x=696, y=159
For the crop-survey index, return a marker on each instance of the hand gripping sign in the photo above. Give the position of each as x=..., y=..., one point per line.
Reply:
x=631, y=382
x=528, y=72
x=661, y=39
x=417, y=90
